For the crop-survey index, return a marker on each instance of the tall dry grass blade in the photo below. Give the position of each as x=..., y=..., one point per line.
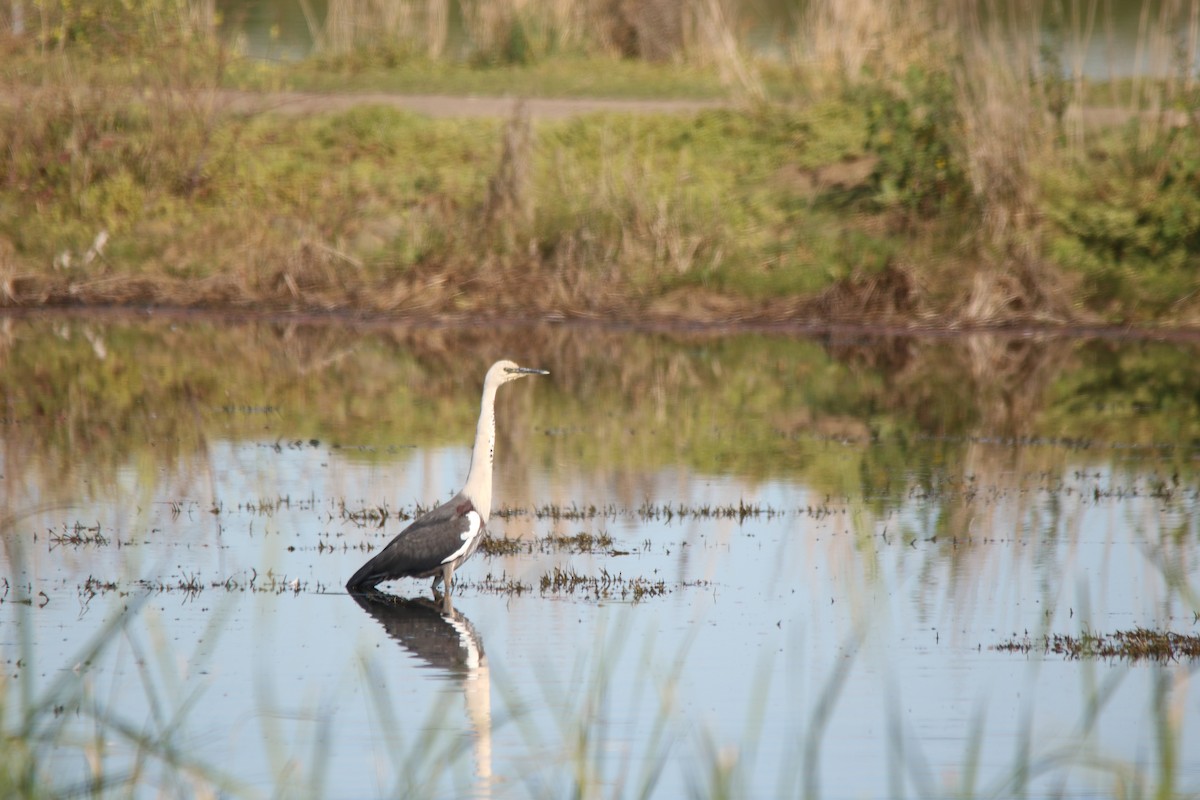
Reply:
x=509, y=203
x=1193, y=46
x=408, y=27
x=314, y=28
x=1005, y=118
x=721, y=41
x=822, y=713
x=661, y=28
x=857, y=39
x=1139, y=57
x=437, y=25
x=494, y=28
x=1081, y=26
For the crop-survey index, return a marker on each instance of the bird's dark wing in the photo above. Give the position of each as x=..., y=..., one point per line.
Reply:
x=424, y=546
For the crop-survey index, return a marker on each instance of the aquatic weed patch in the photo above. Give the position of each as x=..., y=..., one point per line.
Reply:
x=582, y=542
x=501, y=546
x=191, y=585
x=501, y=584
x=77, y=535
x=606, y=585
x=649, y=511
x=1135, y=645
x=741, y=511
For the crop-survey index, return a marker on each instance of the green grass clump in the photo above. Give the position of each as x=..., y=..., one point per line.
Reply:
x=562, y=76
x=341, y=209
x=1127, y=218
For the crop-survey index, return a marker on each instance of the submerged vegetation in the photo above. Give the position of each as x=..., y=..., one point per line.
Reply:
x=1139, y=644
x=837, y=183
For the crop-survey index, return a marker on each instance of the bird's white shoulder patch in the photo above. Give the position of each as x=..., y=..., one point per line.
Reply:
x=474, y=524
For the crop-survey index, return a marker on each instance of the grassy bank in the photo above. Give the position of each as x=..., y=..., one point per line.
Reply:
x=939, y=174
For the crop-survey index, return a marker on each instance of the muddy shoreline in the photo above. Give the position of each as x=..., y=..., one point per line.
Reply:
x=369, y=321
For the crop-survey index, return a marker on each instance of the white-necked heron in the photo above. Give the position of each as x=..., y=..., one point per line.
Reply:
x=438, y=542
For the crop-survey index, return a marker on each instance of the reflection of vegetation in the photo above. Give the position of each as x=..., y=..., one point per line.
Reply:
x=1150, y=392
x=104, y=396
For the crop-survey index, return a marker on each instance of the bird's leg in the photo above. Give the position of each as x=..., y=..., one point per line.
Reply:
x=445, y=576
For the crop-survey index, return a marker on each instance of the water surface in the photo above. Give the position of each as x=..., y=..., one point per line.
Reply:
x=1114, y=39
x=762, y=564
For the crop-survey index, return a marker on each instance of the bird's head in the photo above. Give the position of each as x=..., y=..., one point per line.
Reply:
x=505, y=371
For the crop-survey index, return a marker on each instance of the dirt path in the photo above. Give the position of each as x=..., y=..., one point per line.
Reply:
x=436, y=105
x=442, y=105
x=240, y=101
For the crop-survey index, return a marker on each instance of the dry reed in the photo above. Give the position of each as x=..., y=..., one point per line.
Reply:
x=857, y=39
x=1005, y=104
x=409, y=27
x=1000, y=128
x=509, y=203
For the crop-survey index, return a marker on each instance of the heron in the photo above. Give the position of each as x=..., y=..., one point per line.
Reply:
x=438, y=542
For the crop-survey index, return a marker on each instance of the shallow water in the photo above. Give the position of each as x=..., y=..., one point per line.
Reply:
x=1121, y=38
x=804, y=553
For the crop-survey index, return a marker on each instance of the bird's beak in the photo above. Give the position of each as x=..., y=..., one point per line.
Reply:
x=526, y=371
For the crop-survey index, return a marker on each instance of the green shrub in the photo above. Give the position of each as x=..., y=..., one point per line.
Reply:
x=915, y=129
x=1129, y=220
x=123, y=31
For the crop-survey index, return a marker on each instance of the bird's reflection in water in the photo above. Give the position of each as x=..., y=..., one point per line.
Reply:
x=446, y=640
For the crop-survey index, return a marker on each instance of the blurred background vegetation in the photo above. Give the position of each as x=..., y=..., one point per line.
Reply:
x=931, y=163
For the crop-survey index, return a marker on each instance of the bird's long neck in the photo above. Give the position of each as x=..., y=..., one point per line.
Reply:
x=479, y=479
